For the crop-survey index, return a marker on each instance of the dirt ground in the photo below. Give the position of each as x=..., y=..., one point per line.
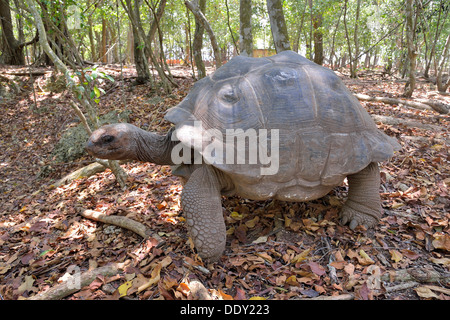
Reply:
x=275, y=250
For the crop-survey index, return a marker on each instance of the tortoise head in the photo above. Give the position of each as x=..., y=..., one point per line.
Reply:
x=113, y=142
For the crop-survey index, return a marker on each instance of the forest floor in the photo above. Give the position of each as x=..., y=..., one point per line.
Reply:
x=275, y=250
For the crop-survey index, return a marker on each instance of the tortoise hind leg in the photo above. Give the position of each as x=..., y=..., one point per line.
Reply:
x=363, y=206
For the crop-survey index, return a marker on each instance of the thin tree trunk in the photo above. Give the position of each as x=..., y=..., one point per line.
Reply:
x=236, y=47
x=354, y=63
x=441, y=86
x=347, y=36
x=197, y=44
x=202, y=19
x=278, y=25
x=103, y=49
x=316, y=19
x=12, y=49
x=115, y=168
x=433, y=44
x=140, y=60
x=245, y=28
x=299, y=30
x=332, y=53
x=412, y=54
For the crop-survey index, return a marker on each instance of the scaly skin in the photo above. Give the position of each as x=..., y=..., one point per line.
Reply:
x=201, y=202
x=363, y=206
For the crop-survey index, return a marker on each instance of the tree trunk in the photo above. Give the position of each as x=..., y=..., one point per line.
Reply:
x=197, y=44
x=412, y=54
x=12, y=49
x=347, y=36
x=103, y=48
x=317, y=34
x=278, y=25
x=354, y=62
x=202, y=19
x=441, y=86
x=140, y=60
x=115, y=168
x=245, y=28
x=433, y=43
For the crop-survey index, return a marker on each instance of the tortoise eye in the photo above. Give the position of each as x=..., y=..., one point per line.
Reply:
x=107, y=139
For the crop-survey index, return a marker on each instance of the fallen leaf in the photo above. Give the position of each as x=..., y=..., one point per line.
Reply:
x=225, y=296
x=439, y=289
x=155, y=277
x=301, y=257
x=27, y=285
x=350, y=269
x=425, y=292
x=257, y=298
x=123, y=288
x=262, y=239
x=441, y=241
x=364, y=258
x=395, y=255
x=251, y=223
x=292, y=281
x=237, y=216
x=184, y=288
x=316, y=268
x=443, y=261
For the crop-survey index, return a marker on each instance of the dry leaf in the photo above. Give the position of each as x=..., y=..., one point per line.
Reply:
x=124, y=288
x=27, y=285
x=395, y=255
x=364, y=258
x=443, y=261
x=301, y=257
x=425, y=292
x=442, y=241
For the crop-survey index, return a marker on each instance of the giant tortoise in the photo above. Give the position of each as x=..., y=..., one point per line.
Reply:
x=280, y=127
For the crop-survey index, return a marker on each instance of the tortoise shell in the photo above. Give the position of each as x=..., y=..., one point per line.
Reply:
x=323, y=133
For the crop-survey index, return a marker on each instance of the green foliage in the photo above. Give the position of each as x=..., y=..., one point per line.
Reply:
x=380, y=27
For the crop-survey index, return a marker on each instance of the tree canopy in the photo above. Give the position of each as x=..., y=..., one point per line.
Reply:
x=389, y=34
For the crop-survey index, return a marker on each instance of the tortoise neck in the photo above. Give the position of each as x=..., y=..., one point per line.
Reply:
x=153, y=147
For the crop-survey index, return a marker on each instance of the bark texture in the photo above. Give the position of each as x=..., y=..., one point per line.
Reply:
x=245, y=28
x=278, y=25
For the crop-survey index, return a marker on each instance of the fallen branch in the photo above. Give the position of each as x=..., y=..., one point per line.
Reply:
x=408, y=123
x=421, y=104
x=86, y=171
x=416, y=275
x=339, y=297
x=68, y=287
x=122, y=222
x=26, y=73
x=402, y=286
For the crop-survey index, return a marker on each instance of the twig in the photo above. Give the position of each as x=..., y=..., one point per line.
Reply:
x=67, y=287
x=122, y=222
x=416, y=274
x=402, y=286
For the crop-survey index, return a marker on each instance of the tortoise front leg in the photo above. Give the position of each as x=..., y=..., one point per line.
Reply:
x=363, y=206
x=201, y=202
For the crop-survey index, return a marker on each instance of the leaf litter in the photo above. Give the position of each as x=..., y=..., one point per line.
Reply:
x=275, y=250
